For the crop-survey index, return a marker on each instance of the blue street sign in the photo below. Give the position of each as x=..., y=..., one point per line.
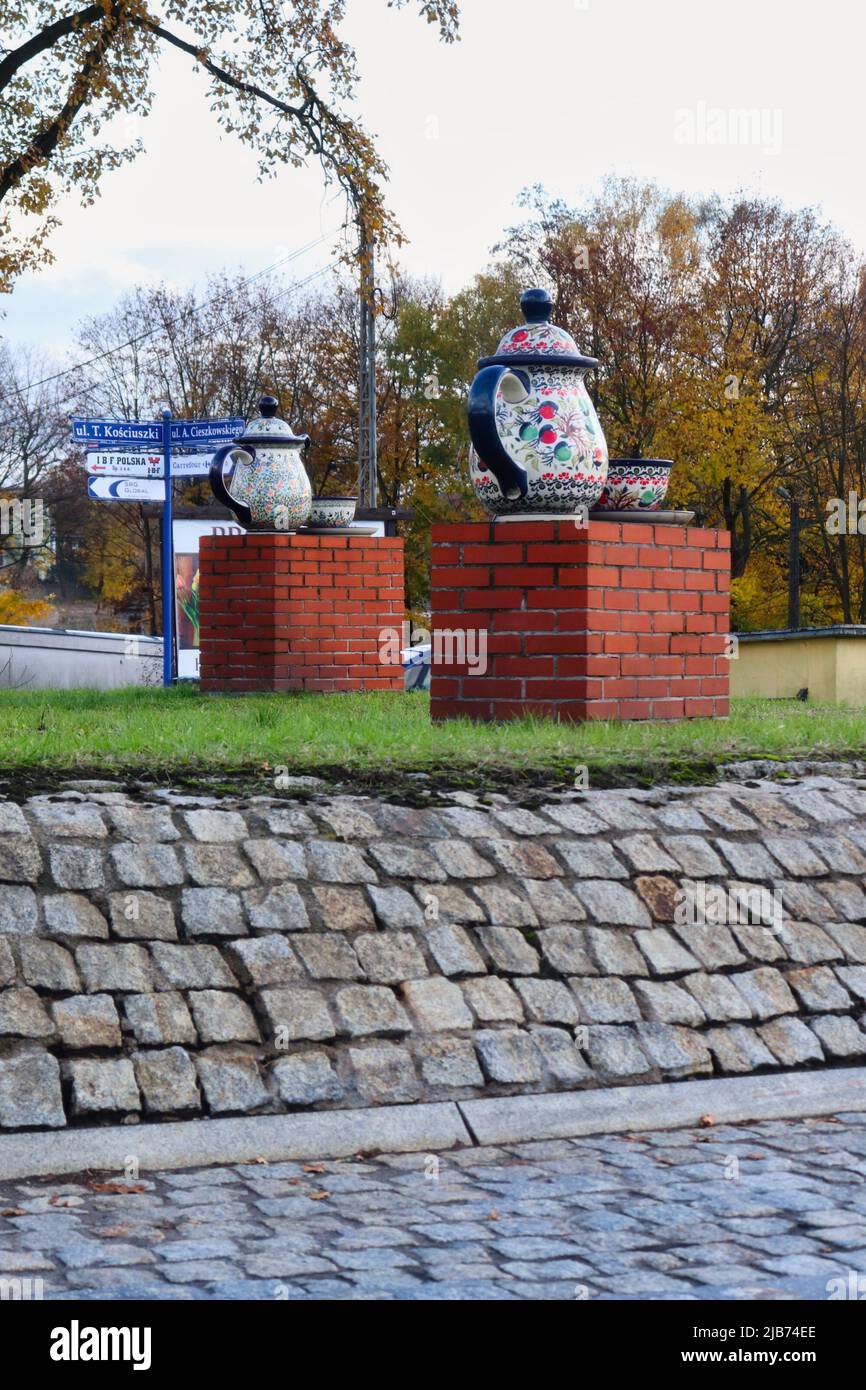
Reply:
x=120, y=432
x=206, y=435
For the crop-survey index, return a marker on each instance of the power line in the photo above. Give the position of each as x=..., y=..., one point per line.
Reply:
x=164, y=328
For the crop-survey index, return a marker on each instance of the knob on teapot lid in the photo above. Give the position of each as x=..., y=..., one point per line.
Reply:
x=537, y=306
x=538, y=342
x=269, y=405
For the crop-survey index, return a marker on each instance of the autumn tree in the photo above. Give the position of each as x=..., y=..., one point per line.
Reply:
x=68, y=68
x=623, y=272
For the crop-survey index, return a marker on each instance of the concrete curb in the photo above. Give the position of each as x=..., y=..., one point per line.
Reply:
x=430, y=1127
x=671, y=1105
x=201, y=1143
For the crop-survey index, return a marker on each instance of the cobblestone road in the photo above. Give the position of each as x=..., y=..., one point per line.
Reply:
x=770, y=1210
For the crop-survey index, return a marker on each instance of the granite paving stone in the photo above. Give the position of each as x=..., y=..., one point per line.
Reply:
x=604, y=1000
x=280, y=908
x=146, y=865
x=566, y=950
x=140, y=915
x=292, y=1013
x=436, y=1005
x=45, y=965
x=665, y=955
x=217, y=866
x=342, y=909
x=593, y=859
x=808, y=944
x=72, y=915
x=765, y=991
x=222, y=1017
x=212, y=912
x=839, y=1037
x=818, y=989
x=87, y=1021
x=328, y=956
x=452, y=950
x=509, y=950
x=306, y=1077
x=796, y=855
x=505, y=907
x=196, y=966
x=523, y=859
x=368, y=1009
x=264, y=960
x=19, y=913
x=611, y=903
x=493, y=1000
x=613, y=952
x=695, y=856
x=395, y=907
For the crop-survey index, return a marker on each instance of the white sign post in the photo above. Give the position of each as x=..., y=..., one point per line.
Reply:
x=125, y=489
x=126, y=465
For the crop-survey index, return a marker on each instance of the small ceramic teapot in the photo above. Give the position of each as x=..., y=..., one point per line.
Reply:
x=269, y=489
x=537, y=443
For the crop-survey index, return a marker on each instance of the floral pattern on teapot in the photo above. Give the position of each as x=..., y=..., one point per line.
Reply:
x=555, y=435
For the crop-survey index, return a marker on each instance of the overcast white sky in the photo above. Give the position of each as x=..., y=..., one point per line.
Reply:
x=553, y=91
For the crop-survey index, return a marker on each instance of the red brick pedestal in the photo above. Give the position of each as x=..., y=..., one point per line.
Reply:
x=280, y=612
x=619, y=620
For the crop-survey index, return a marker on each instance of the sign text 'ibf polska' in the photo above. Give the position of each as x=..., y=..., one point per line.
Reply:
x=77, y=1343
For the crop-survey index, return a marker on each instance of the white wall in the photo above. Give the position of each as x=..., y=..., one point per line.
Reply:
x=34, y=658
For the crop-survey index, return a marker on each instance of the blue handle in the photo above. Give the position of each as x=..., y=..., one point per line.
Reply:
x=511, y=477
x=218, y=486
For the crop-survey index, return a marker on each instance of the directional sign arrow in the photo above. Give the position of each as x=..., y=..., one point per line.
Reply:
x=190, y=465
x=126, y=465
x=125, y=489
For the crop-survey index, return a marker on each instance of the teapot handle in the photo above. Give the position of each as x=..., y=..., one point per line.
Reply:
x=511, y=477
x=218, y=486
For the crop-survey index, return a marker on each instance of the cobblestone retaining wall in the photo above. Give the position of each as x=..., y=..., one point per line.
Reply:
x=179, y=956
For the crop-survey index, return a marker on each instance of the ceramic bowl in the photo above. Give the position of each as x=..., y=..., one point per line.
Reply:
x=333, y=511
x=635, y=485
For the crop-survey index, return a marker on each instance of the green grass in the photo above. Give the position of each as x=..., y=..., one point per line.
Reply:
x=155, y=732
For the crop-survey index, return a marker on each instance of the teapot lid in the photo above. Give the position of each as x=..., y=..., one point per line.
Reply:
x=538, y=342
x=268, y=428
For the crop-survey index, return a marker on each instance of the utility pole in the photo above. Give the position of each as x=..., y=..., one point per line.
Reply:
x=797, y=524
x=794, y=564
x=367, y=423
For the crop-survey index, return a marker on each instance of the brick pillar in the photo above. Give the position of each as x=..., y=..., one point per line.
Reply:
x=618, y=620
x=281, y=612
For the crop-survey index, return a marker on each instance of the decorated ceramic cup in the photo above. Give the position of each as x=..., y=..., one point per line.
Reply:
x=332, y=511
x=635, y=485
x=537, y=445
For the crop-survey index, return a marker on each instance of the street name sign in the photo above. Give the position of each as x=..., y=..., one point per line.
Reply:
x=125, y=489
x=144, y=434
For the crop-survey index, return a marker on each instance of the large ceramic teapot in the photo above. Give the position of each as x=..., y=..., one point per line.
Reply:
x=537, y=445
x=269, y=489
